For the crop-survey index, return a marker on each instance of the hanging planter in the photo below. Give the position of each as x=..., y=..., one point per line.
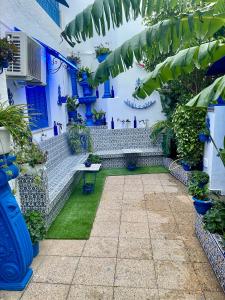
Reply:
x=84, y=78
x=102, y=52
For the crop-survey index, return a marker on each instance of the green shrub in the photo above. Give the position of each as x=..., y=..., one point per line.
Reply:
x=199, y=177
x=187, y=123
x=94, y=159
x=36, y=225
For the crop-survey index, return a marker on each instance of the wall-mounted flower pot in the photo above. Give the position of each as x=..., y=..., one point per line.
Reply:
x=4, y=141
x=99, y=122
x=203, y=138
x=102, y=57
x=72, y=115
x=202, y=206
x=35, y=249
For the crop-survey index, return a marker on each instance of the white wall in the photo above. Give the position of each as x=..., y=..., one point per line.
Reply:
x=212, y=163
x=125, y=83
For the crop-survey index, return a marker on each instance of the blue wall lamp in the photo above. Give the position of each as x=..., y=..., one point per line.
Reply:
x=61, y=99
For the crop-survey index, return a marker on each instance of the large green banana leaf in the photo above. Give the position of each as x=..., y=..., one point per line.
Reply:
x=209, y=94
x=161, y=38
x=184, y=62
x=104, y=14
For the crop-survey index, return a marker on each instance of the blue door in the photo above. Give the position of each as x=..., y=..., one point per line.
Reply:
x=37, y=105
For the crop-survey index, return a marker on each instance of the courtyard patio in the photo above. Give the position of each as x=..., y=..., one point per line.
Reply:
x=142, y=246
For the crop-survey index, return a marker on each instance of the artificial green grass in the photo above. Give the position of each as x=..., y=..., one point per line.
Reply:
x=76, y=218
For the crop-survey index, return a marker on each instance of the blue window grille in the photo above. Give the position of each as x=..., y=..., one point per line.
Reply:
x=37, y=105
x=52, y=9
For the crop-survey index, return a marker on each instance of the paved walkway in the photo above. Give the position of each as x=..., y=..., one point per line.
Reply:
x=142, y=246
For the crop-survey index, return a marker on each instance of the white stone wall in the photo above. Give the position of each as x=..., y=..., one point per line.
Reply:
x=212, y=163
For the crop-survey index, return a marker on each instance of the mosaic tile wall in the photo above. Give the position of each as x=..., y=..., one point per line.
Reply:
x=109, y=144
x=213, y=249
x=176, y=170
x=57, y=180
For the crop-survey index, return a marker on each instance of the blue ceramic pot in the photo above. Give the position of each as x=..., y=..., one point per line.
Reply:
x=202, y=206
x=203, y=138
x=35, y=249
x=72, y=115
x=131, y=167
x=87, y=164
x=88, y=188
x=5, y=64
x=186, y=166
x=99, y=122
x=102, y=57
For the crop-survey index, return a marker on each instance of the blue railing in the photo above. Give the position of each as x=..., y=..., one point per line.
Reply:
x=52, y=9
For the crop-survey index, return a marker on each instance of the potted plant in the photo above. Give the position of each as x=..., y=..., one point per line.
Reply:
x=75, y=59
x=36, y=227
x=85, y=80
x=202, y=178
x=72, y=104
x=214, y=219
x=200, y=194
x=94, y=158
x=7, y=53
x=102, y=52
x=98, y=117
x=14, y=122
x=204, y=135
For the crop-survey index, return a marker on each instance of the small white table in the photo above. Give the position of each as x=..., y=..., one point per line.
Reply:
x=89, y=187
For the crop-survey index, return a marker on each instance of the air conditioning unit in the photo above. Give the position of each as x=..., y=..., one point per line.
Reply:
x=30, y=60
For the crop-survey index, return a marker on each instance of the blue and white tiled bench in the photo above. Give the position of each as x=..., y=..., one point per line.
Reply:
x=57, y=179
x=109, y=145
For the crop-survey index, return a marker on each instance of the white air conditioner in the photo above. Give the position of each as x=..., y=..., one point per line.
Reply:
x=30, y=60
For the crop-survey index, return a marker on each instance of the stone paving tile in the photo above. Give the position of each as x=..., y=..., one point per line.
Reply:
x=151, y=181
x=106, y=215
x=150, y=176
x=115, y=179
x=133, y=188
x=105, y=229
x=214, y=295
x=187, y=230
x=184, y=218
x=135, y=273
x=137, y=181
x=95, y=271
x=206, y=277
x=194, y=250
x=135, y=248
x=181, y=203
x=9, y=295
x=101, y=247
x=134, y=216
x=180, y=295
x=160, y=217
x=90, y=293
x=176, y=275
x=169, y=250
x=113, y=187
x=157, y=205
x=121, y=293
x=41, y=291
x=65, y=248
x=37, y=262
x=134, y=230
x=56, y=269
x=157, y=188
x=110, y=205
x=168, y=231
x=129, y=196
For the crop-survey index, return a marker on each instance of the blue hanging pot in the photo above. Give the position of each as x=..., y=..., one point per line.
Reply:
x=203, y=138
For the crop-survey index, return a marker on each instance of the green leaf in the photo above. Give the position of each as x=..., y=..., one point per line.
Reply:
x=159, y=39
x=184, y=62
x=209, y=94
x=110, y=13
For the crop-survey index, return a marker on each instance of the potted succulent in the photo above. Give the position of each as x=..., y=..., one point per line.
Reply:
x=204, y=135
x=36, y=227
x=7, y=53
x=200, y=194
x=98, y=117
x=13, y=122
x=72, y=104
x=102, y=52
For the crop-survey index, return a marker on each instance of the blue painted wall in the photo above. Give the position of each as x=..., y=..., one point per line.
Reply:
x=52, y=9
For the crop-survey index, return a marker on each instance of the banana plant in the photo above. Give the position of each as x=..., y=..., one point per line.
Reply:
x=164, y=37
x=104, y=14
